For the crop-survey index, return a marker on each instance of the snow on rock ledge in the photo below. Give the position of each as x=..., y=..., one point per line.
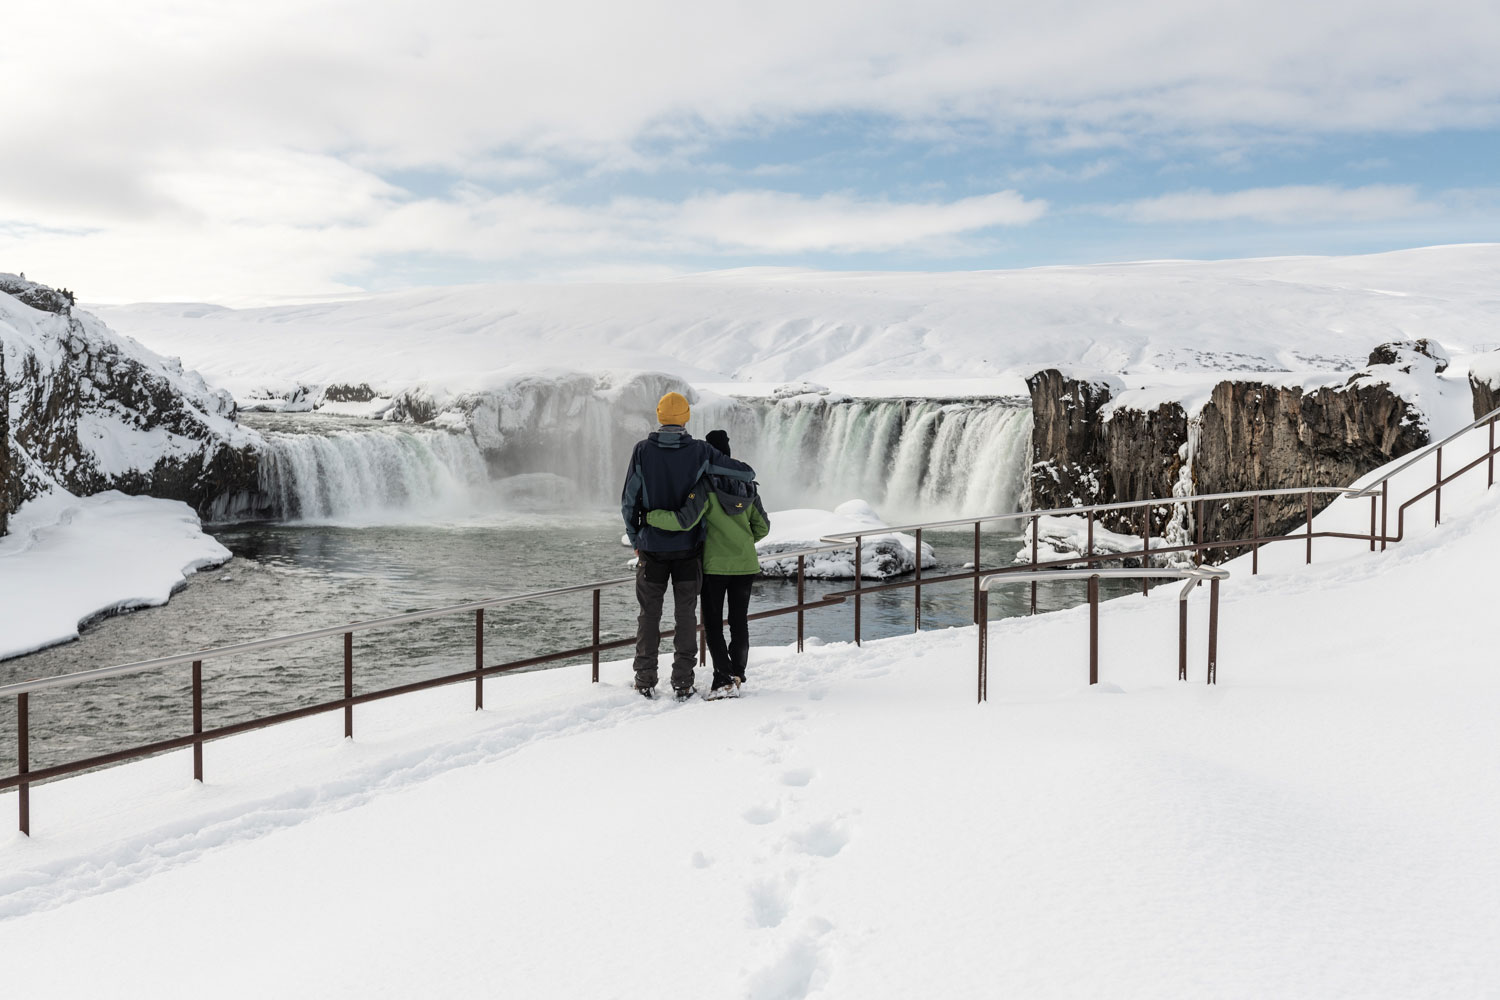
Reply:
x=70, y=560
x=883, y=556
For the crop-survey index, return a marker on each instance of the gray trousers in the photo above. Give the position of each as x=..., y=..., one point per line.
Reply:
x=685, y=572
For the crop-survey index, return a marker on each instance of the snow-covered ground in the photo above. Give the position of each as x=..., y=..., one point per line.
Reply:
x=70, y=559
x=1321, y=823
x=766, y=326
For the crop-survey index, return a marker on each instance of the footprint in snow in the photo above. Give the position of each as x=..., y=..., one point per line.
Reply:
x=798, y=777
x=823, y=839
x=760, y=815
x=769, y=904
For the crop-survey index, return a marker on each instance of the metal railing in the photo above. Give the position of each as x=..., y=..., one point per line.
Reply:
x=1036, y=570
x=1194, y=575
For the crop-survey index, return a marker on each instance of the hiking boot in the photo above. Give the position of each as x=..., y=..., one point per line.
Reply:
x=683, y=694
x=646, y=692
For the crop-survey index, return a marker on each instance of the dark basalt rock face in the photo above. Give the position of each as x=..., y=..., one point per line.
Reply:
x=1067, y=443
x=1255, y=436
x=1251, y=435
x=1486, y=389
x=95, y=411
x=1079, y=458
x=339, y=393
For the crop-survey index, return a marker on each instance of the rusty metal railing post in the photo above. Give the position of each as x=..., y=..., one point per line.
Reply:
x=1372, y=522
x=984, y=645
x=1182, y=640
x=1255, y=536
x=1492, y=451
x=1146, y=549
x=1034, y=530
x=1213, y=631
x=1309, y=527
x=1385, y=502
x=859, y=573
x=917, y=627
x=23, y=761
x=348, y=684
x=702, y=645
x=197, y=720
x=479, y=659
x=801, y=598
x=1198, y=527
x=1437, y=496
x=596, y=636
x=1094, y=629
x=976, y=571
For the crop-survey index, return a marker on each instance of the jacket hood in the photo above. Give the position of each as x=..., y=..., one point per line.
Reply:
x=669, y=436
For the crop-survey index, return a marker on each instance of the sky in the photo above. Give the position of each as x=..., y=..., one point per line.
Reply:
x=247, y=153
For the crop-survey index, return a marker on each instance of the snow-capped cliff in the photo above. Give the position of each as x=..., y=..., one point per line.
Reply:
x=89, y=410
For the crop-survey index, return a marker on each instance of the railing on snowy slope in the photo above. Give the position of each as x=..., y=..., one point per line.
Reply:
x=1378, y=492
x=1194, y=575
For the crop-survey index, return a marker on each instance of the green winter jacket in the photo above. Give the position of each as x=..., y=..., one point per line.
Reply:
x=735, y=523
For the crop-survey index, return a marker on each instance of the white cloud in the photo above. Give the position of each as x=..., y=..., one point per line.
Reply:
x=158, y=147
x=251, y=228
x=1280, y=205
x=771, y=222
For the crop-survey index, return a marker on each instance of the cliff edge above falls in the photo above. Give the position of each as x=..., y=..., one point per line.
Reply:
x=1095, y=441
x=89, y=410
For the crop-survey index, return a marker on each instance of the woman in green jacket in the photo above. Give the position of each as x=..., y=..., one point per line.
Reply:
x=735, y=520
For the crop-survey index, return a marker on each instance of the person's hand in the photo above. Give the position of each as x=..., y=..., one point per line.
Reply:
x=637, y=553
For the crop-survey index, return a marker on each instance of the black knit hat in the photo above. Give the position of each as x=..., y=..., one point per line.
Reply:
x=719, y=439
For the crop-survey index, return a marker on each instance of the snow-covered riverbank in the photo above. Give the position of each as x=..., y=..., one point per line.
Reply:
x=72, y=559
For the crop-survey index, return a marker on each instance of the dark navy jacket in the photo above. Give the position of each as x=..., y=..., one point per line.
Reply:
x=663, y=470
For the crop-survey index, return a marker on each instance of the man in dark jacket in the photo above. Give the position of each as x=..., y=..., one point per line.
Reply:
x=664, y=471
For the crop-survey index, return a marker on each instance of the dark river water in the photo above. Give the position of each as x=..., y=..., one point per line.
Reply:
x=293, y=577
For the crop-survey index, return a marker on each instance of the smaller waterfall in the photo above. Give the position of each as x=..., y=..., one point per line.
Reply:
x=370, y=475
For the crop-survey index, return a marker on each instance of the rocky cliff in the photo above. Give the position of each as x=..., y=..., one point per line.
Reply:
x=89, y=410
x=1247, y=435
x=1484, y=381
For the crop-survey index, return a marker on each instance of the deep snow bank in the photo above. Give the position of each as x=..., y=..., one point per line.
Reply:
x=69, y=560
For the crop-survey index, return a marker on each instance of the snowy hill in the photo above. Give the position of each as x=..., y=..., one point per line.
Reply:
x=770, y=326
x=1320, y=823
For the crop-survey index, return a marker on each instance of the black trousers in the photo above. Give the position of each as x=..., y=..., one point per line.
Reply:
x=685, y=572
x=728, y=661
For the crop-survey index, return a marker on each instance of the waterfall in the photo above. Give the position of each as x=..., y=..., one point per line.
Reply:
x=914, y=460
x=563, y=443
x=371, y=475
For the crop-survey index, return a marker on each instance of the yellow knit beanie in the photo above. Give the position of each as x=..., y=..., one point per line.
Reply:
x=673, y=409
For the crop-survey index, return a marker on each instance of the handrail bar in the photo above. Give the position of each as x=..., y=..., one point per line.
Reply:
x=1194, y=575
x=139, y=666
x=849, y=536
x=1424, y=453
x=1197, y=574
